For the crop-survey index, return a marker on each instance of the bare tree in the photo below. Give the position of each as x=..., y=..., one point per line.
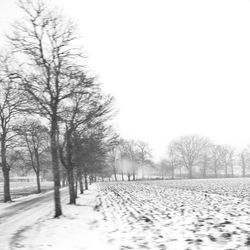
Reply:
x=113, y=161
x=226, y=154
x=188, y=150
x=72, y=118
x=144, y=153
x=46, y=41
x=173, y=160
x=218, y=159
x=11, y=101
x=86, y=107
x=91, y=150
x=244, y=160
x=243, y=163
x=113, y=156
x=130, y=157
x=231, y=159
x=206, y=159
x=34, y=137
x=164, y=167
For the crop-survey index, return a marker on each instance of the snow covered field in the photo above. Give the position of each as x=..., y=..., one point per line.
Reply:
x=187, y=214
x=177, y=215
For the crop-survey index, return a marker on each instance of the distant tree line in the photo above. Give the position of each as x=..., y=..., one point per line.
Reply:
x=195, y=156
x=53, y=114
x=190, y=156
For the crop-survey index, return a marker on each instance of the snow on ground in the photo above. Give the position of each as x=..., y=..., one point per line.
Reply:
x=189, y=214
x=152, y=215
x=237, y=187
x=20, y=189
x=4, y=206
x=21, y=192
x=78, y=228
x=15, y=201
x=18, y=216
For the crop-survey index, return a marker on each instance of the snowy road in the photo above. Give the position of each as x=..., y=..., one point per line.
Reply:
x=19, y=216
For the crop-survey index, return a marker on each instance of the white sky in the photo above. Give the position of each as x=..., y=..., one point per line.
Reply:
x=175, y=67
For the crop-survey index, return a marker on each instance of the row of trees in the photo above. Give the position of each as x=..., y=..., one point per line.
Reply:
x=131, y=158
x=197, y=156
x=67, y=116
x=190, y=156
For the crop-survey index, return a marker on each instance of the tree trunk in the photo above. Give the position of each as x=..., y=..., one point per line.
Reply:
x=115, y=177
x=114, y=172
x=86, y=181
x=232, y=169
x=243, y=165
x=122, y=177
x=38, y=182
x=55, y=167
x=76, y=186
x=72, y=196
x=6, y=171
x=128, y=177
x=133, y=176
x=90, y=179
x=6, y=176
x=215, y=173
x=142, y=169
x=172, y=171
x=38, y=172
x=204, y=174
x=190, y=172
x=215, y=170
x=79, y=176
x=81, y=184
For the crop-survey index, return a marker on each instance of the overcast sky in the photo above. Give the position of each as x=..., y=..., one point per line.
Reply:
x=175, y=67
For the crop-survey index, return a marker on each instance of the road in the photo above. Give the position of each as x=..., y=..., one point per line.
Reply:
x=18, y=216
